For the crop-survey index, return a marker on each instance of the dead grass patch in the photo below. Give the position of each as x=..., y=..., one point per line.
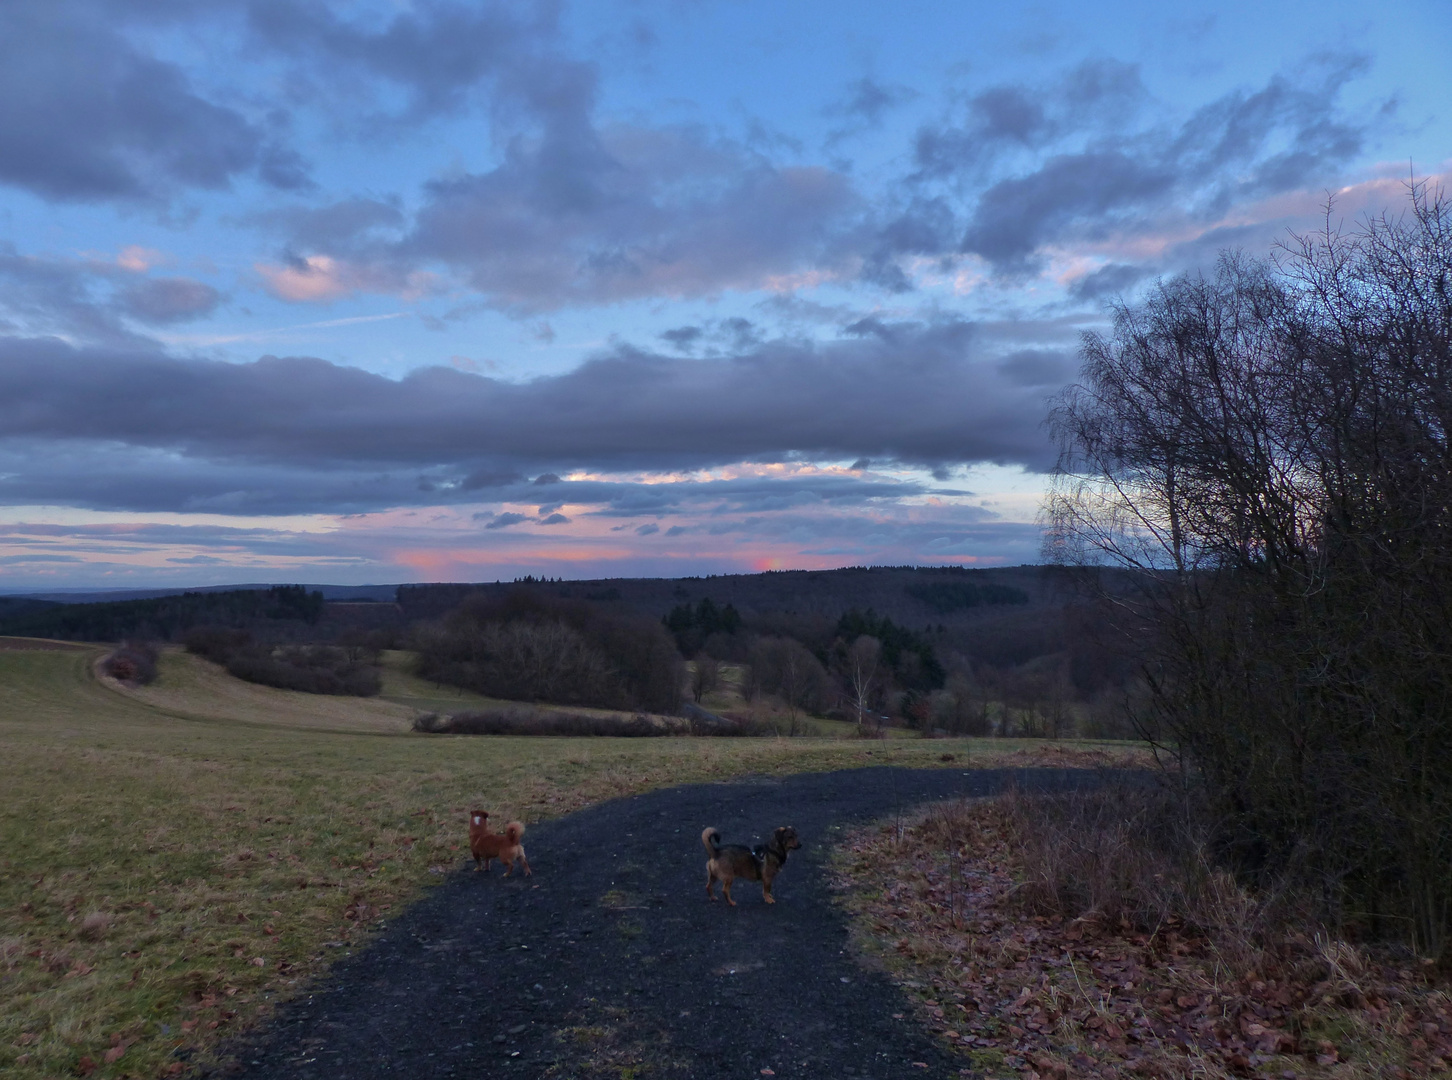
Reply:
x=1039, y=950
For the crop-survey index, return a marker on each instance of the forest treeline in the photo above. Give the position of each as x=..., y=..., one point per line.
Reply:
x=963, y=651
x=163, y=618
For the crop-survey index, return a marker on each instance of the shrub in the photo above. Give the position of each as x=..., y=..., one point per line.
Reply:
x=526, y=721
x=132, y=662
x=312, y=669
x=1132, y=853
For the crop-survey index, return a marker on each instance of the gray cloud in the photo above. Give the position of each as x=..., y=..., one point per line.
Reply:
x=864, y=105
x=1108, y=281
x=1037, y=367
x=1093, y=99
x=1086, y=154
x=436, y=53
x=585, y=217
x=1244, y=145
x=65, y=298
x=503, y=521
x=112, y=427
x=86, y=115
x=914, y=392
x=168, y=300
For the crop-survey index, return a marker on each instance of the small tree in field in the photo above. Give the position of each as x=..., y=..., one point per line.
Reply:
x=860, y=669
x=705, y=677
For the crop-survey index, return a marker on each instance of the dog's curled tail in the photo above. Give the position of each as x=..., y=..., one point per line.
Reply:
x=712, y=839
x=513, y=831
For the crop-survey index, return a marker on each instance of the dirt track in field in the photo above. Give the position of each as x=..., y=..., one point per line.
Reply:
x=610, y=962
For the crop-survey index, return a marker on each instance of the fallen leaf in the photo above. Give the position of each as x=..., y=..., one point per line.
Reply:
x=85, y=1067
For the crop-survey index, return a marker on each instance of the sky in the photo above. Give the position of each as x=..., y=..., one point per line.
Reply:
x=389, y=291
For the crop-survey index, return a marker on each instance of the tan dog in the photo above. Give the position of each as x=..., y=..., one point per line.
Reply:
x=728, y=862
x=487, y=845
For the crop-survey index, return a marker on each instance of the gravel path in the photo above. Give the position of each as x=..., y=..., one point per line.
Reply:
x=610, y=962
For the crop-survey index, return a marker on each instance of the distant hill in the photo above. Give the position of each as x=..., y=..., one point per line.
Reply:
x=356, y=593
x=911, y=596
x=17, y=606
x=1002, y=617
x=166, y=617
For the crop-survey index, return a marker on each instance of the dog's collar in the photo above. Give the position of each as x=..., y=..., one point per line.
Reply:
x=772, y=849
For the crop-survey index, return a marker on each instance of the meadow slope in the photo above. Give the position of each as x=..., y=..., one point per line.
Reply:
x=174, y=860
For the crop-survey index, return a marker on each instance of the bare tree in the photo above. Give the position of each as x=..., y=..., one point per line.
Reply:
x=861, y=671
x=1268, y=450
x=705, y=676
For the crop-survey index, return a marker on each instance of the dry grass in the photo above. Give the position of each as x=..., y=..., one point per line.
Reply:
x=175, y=859
x=1066, y=937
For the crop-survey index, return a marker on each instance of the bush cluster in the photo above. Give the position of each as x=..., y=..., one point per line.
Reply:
x=526, y=646
x=312, y=669
x=133, y=662
x=529, y=721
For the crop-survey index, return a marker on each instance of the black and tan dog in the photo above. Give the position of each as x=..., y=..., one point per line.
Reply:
x=731, y=861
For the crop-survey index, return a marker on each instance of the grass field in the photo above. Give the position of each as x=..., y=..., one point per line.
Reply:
x=174, y=859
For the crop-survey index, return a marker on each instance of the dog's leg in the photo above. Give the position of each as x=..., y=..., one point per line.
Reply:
x=527, y=871
x=710, y=881
x=726, y=889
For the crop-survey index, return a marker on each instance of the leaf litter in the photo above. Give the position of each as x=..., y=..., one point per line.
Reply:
x=937, y=899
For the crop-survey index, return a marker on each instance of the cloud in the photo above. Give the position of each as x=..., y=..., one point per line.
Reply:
x=503, y=521
x=1037, y=367
x=318, y=279
x=554, y=519
x=648, y=530
x=168, y=300
x=580, y=216
x=435, y=53
x=1090, y=154
x=66, y=298
x=1010, y=121
x=1107, y=281
x=87, y=115
x=864, y=105
x=912, y=391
